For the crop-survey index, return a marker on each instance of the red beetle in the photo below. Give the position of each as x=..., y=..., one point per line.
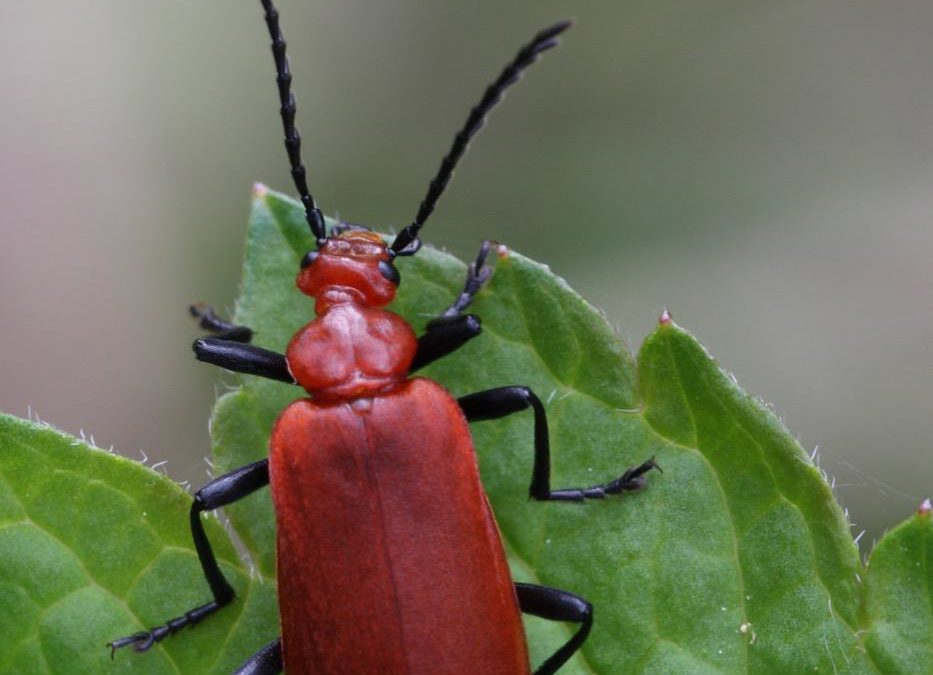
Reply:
x=389, y=557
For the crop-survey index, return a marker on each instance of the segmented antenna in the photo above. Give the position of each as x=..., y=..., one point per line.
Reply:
x=406, y=242
x=292, y=137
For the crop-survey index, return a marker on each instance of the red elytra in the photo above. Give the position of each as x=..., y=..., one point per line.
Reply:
x=389, y=557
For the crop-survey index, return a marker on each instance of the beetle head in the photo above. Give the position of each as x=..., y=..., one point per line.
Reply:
x=353, y=266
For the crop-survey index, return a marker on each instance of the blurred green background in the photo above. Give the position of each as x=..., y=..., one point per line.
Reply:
x=763, y=169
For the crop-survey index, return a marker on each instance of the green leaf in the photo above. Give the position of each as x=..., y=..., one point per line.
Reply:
x=899, y=597
x=94, y=547
x=735, y=560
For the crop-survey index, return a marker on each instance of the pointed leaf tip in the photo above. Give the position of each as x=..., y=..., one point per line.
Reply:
x=925, y=508
x=665, y=318
x=260, y=189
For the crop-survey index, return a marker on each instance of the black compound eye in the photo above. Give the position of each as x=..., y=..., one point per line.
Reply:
x=389, y=271
x=309, y=258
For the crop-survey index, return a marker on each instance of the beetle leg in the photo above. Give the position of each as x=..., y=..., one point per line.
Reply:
x=478, y=273
x=556, y=605
x=496, y=403
x=229, y=347
x=209, y=321
x=442, y=338
x=267, y=661
x=242, y=358
x=219, y=492
x=452, y=328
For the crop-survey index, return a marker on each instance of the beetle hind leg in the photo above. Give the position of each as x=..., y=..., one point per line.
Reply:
x=267, y=661
x=556, y=605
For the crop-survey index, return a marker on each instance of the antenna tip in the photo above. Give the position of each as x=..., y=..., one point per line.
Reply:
x=555, y=30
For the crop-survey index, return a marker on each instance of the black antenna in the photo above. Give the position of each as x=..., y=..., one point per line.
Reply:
x=292, y=137
x=407, y=242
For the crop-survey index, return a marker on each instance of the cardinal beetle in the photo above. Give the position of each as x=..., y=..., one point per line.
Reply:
x=389, y=558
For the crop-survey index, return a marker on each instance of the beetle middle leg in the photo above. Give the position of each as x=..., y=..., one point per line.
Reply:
x=502, y=401
x=225, y=490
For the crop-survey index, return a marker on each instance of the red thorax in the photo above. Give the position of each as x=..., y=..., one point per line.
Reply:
x=353, y=348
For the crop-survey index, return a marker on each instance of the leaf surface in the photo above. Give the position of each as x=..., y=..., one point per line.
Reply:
x=899, y=597
x=94, y=547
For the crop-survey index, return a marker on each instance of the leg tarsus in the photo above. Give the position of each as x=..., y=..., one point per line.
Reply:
x=632, y=480
x=218, y=327
x=144, y=640
x=478, y=274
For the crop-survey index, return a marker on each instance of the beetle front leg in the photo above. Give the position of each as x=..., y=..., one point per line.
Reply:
x=452, y=328
x=229, y=348
x=242, y=358
x=219, y=328
x=219, y=492
x=496, y=403
x=556, y=605
x=478, y=273
x=443, y=338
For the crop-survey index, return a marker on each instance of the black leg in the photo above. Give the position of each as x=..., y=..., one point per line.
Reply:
x=267, y=661
x=452, y=329
x=443, y=338
x=219, y=492
x=496, y=403
x=229, y=348
x=242, y=358
x=478, y=274
x=225, y=330
x=556, y=605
